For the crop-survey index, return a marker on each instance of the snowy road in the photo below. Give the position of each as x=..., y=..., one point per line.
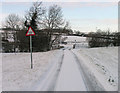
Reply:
x=70, y=77
x=66, y=69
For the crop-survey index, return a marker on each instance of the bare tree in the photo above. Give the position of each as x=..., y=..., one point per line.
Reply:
x=53, y=19
x=67, y=28
x=34, y=15
x=33, y=18
x=12, y=21
x=67, y=25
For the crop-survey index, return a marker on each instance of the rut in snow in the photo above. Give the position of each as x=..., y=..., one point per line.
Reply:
x=70, y=77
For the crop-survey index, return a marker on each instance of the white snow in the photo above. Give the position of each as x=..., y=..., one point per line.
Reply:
x=79, y=41
x=17, y=75
x=102, y=65
x=99, y=67
x=73, y=38
x=0, y=72
x=70, y=78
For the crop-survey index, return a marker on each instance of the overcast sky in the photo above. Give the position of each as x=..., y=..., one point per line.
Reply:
x=83, y=16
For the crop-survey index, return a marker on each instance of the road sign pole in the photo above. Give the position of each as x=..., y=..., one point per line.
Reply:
x=30, y=33
x=31, y=51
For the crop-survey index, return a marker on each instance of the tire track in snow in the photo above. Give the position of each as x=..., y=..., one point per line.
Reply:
x=80, y=69
x=70, y=78
x=89, y=84
x=48, y=79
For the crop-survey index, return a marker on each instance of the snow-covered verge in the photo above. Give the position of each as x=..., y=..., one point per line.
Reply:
x=0, y=72
x=17, y=75
x=100, y=66
x=0, y=63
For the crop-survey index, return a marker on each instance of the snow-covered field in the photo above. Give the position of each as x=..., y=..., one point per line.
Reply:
x=101, y=66
x=75, y=38
x=79, y=41
x=17, y=75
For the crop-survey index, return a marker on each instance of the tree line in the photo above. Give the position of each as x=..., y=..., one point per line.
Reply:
x=42, y=20
x=103, y=38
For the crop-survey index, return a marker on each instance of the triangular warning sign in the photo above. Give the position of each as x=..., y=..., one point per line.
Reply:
x=30, y=32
